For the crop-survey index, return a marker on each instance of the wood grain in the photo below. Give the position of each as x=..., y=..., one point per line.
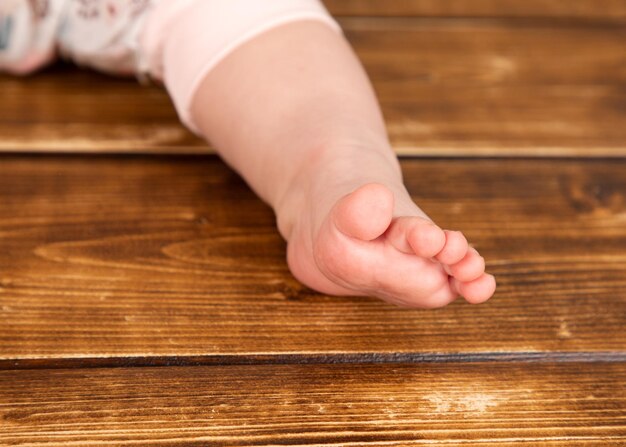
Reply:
x=60, y=110
x=398, y=405
x=497, y=87
x=585, y=9
x=461, y=88
x=141, y=257
x=135, y=261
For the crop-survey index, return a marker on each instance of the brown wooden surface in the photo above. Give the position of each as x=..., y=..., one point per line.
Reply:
x=137, y=257
x=476, y=87
x=132, y=261
x=581, y=9
x=497, y=87
x=404, y=404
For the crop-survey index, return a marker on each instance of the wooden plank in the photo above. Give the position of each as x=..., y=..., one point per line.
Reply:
x=447, y=88
x=356, y=405
x=496, y=88
x=60, y=110
x=585, y=9
x=135, y=258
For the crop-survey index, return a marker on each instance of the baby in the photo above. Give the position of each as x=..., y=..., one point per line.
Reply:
x=277, y=90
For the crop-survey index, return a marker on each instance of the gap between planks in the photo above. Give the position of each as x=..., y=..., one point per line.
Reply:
x=310, y=359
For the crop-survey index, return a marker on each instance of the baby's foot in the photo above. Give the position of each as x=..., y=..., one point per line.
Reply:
x=360, y=248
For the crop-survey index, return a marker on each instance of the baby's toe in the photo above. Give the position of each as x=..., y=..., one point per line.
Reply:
x=454, y=249
x=416, y=235
x=478, y=290
x=426, y=239
x=469, y=268
x=365, y=213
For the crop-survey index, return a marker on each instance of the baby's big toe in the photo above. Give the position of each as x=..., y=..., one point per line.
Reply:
x=365, y=213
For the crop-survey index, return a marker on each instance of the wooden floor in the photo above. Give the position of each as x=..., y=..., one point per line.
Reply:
x=145, y=299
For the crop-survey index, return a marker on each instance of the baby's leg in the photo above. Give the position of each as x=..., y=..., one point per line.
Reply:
x=293, y=112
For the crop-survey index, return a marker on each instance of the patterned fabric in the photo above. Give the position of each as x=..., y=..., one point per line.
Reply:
x=174, y=41
x=102, y=34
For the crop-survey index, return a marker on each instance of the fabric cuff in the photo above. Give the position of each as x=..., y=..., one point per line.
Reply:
x=184, y=40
